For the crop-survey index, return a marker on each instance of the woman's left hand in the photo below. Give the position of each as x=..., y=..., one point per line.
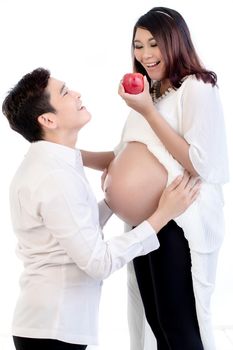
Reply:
x=141, y=103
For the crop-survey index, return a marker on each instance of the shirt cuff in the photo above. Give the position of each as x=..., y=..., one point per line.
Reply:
x=104, y=213
x=147, y=236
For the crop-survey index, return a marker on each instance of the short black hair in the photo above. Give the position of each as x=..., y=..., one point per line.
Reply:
x=26, y=102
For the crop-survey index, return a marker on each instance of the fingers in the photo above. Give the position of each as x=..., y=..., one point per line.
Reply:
x=103, y=176
x=186, y=184
x=121, y=89
x=195, y=190
x=192, y=190
x=180, y=182
x=104, y=173
x=185, y=180
x=175, y=183
x=146, y=83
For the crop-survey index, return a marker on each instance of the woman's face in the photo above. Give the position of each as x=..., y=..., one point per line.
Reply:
x=147, y=52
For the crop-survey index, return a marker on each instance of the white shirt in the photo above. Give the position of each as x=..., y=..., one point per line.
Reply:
x=58, y=225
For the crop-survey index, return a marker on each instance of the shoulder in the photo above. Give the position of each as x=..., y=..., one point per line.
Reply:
x=197, y=88
x=192, y=81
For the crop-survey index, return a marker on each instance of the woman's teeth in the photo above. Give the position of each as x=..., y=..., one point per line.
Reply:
x=151, y=65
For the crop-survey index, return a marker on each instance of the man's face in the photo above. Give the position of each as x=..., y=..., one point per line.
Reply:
x=70, y=114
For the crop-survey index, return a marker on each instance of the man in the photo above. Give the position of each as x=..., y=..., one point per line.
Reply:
x=58, y=222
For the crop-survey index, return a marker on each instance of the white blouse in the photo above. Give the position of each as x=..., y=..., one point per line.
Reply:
x=58, y=225
x=195, y=112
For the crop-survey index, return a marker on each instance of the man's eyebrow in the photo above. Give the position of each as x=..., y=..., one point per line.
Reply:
x=62, y=88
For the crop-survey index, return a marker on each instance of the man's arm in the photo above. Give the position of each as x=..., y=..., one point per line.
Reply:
x=97, y=160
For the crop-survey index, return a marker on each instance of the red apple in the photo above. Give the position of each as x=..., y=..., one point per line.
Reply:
x=133, y=83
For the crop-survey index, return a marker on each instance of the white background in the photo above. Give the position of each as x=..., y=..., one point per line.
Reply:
x=87, y=44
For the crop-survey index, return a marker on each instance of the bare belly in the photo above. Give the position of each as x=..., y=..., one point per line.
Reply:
x=134, y=183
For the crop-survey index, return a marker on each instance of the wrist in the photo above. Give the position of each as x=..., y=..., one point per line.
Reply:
x=158, y=220
x=151, y=114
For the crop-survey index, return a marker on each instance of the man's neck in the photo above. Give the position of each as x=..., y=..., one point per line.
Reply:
x=62, y=140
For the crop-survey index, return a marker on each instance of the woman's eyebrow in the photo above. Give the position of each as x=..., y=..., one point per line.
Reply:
x=138, y=41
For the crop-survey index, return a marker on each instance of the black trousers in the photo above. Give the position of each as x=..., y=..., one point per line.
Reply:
x=44, y=344
x=165, y=283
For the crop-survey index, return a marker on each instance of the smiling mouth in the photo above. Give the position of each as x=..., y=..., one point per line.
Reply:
x=152, y=65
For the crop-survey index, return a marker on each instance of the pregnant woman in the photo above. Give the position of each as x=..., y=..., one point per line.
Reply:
x=176, y=123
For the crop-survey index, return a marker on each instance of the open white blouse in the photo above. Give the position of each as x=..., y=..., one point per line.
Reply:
x=195, y=112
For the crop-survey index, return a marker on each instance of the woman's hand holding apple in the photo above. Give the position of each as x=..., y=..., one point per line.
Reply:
x=140, y=101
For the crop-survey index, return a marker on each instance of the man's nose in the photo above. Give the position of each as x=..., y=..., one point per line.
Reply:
x=75, y=94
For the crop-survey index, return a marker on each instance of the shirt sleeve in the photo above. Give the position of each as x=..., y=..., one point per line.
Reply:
x=70, y=218
x=104, y=213
x=204, y=129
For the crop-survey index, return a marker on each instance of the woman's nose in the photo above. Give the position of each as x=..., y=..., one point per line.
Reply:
x=147, y=53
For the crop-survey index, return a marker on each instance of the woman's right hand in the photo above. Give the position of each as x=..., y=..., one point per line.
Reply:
x=142, y=102
x=175, y=199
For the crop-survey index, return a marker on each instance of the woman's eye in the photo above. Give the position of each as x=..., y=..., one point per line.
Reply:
x=138, y=47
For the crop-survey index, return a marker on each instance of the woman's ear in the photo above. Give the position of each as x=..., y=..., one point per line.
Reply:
x=48, y=120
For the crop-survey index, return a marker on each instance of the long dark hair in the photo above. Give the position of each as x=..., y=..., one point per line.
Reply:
x=172, y=35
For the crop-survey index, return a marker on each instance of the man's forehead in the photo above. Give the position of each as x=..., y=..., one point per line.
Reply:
x=54, y=83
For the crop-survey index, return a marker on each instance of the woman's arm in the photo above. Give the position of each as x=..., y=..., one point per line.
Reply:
x=175, y=144
x=97, y=160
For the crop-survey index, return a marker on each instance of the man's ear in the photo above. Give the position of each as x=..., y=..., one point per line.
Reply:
x=48, y=120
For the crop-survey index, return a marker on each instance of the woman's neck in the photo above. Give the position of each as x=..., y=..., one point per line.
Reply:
x=164, y=86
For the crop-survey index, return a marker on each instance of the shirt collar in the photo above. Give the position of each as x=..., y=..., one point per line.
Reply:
x=69, y=155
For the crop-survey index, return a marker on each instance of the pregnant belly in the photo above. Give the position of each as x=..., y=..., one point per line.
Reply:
x=134, y=183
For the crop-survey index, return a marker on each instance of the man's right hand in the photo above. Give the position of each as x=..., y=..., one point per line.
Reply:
x=175, y=199
x=103, y=176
